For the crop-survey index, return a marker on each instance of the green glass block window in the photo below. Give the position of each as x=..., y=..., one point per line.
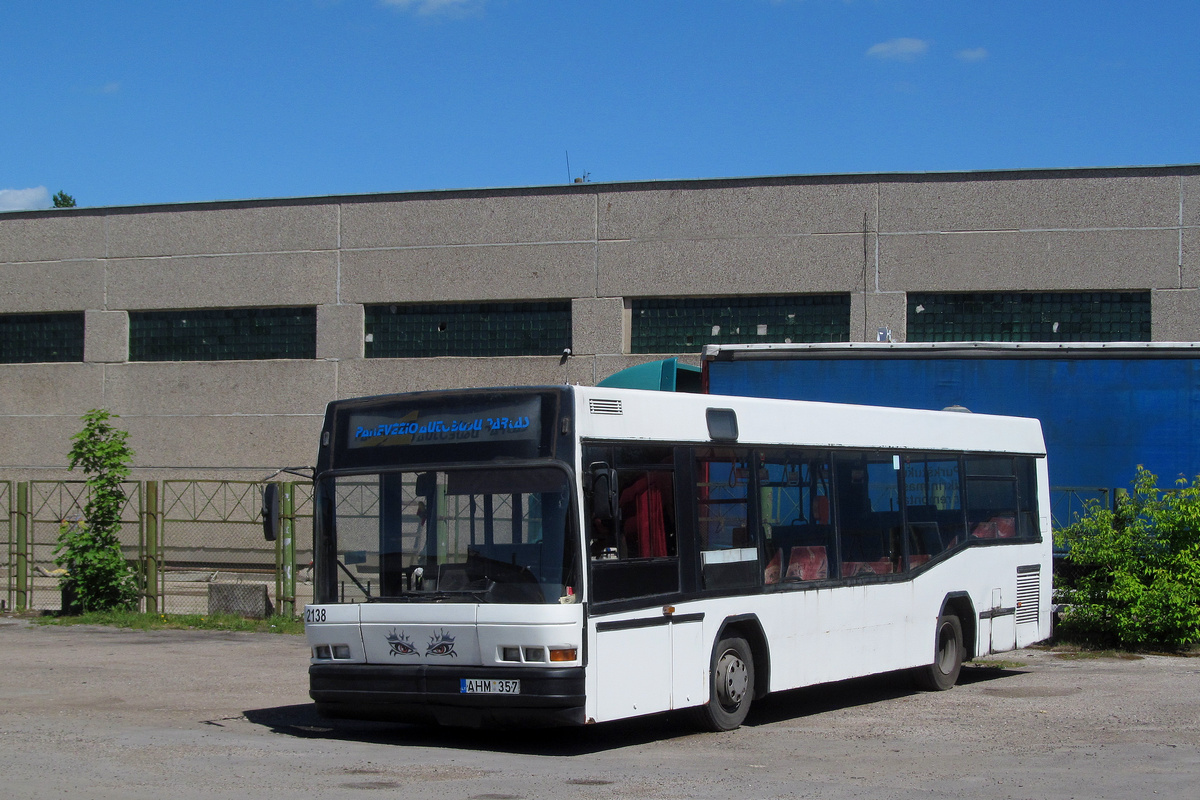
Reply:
x=33, y=338
x=664, y=325
x=468, y=329
x=230, y=334
x=1029, y=317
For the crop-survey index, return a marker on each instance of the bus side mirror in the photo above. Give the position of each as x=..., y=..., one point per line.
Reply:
x=270, y=511
x=604, y=491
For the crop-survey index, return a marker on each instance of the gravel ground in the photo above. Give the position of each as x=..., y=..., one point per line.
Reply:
x=91, y=712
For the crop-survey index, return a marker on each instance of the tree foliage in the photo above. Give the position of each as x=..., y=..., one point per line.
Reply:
x=63, y=200
x=98, y=578
x=1133, y=577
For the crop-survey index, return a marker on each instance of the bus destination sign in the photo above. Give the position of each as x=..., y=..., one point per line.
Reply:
x=518, y=421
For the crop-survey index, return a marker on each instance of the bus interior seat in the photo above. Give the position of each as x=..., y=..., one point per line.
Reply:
x=881, y=567
x=999, y=526
x=808, y=563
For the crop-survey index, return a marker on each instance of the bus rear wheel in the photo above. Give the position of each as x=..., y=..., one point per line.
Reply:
x=947, y=657
x=731, y=686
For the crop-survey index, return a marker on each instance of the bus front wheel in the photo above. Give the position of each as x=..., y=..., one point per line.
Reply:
x=947, y=657
x=731, y=686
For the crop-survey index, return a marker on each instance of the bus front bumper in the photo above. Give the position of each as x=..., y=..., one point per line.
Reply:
x=548, y=697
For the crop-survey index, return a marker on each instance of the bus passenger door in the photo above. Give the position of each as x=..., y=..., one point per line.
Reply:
x=634, y=559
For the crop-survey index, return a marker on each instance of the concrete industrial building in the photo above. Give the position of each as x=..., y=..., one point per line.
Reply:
x=399, y=292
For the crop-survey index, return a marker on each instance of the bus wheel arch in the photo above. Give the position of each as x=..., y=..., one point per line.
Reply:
x=959, y=604
x=747, y=626
x=950, y=648
x=737, y=674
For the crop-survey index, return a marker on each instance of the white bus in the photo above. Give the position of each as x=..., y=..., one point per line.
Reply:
x=568, y=555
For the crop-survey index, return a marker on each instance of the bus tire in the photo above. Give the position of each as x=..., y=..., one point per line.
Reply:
x=731, y=686
x=947, y=657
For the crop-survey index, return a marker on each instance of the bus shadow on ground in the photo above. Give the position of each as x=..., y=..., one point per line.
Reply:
x=302, y=720
x=812, y=700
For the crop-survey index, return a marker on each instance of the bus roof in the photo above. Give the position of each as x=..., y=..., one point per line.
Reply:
x=610, y=413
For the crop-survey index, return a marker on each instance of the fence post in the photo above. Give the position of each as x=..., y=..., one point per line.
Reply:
x=287, y=535
x=150, y=551
x=22, y=548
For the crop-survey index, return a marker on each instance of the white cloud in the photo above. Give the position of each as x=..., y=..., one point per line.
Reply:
x=974, y=54
x=430, y=7
x=903, y=49
x=112, y=87
x=24, y=199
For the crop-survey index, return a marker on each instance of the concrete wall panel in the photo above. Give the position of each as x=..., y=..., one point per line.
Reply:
x=428, y=222
x=272, y=279
x=875, y=310
x=983, y=203
x=190, y=388
x=50, y=389
x=37, y=443
x=374, y=376
x=340, y=331
x=51, y=286
x=1189, y=258
x=106, y=336
x=1175, y=315
x=245, y=229
x=737, y=211
x=255, y=443
x=56, y=236
x=1189, y=197
x=458, y=274
x=730, y=266
x=597, y=325
x=1030, y=261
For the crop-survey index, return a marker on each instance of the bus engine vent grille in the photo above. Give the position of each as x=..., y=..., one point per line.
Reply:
x=597, y=406
x=1029, y=590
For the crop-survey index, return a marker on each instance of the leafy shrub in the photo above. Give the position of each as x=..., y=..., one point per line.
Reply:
x=1134, y=571
x=98, y=578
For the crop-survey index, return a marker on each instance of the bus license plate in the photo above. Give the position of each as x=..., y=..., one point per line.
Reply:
x=488, y=686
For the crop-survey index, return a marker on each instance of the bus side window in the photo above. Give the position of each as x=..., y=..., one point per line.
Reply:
x=794, y=490
x=869, y=514
x=634, y=554
x=1001, y=497
x=728, y=546
x=933, y=506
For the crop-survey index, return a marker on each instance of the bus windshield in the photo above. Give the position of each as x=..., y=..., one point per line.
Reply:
x=490, y=535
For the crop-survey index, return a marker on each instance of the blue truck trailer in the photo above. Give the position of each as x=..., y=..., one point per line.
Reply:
x=1104, y=408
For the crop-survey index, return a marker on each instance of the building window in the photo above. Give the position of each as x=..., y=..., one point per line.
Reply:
x=33, y=338
x=1029, y=317
x=231, y=334
x=468, y=329
x=666, y=325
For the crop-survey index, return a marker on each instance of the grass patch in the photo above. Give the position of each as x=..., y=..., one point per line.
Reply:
x=1084, y=654
x=995, y=664
x=157, y=622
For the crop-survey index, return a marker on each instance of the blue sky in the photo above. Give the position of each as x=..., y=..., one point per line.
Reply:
x=130, y=102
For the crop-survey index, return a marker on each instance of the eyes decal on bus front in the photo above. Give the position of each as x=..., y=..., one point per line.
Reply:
x=401, y=644
x=440, y=644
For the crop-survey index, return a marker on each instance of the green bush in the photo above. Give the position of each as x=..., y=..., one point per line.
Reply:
x=97, y=576
x=1133, y=572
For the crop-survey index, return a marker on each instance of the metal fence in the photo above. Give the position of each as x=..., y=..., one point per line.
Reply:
x=179, y=536
x=182, y=536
